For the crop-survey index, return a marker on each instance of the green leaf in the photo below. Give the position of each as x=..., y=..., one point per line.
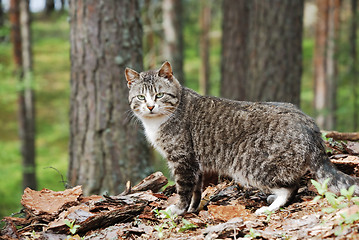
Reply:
x=352, y=218
x=74, y=229
x=331, y=197
x=343, y=205
x=351, y=190
x=68, y=223
x=166, y=214
x=325, y=184
x=317, y=186
x=329, y=210
x=187, y=225
x=340, y=199
x=343, y=192
x=316, y=199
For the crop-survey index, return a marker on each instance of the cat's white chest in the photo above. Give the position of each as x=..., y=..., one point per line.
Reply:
x=152, y=128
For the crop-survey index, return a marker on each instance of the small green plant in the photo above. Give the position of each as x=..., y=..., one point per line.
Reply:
x=252, y=234
x=346, y=199
x=349, y=194
x=187, y=225
x=269, y=214
x=159, y=229
x=170, y=222
x=321, y=188
x=72, y=226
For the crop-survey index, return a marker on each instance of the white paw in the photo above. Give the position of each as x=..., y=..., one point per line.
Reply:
x=262, y=211
x=175, y=210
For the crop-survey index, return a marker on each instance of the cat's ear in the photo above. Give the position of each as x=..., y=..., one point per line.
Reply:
x=166, y=71
x=131, y=76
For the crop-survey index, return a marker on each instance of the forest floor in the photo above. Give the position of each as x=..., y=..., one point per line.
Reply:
x=227, y=212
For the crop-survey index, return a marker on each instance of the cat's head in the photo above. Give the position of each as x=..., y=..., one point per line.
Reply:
x=153, y=94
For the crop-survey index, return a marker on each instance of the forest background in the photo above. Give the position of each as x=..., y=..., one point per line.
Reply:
x=51, y=73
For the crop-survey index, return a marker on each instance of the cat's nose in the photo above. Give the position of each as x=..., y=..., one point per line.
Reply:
x=151, y=108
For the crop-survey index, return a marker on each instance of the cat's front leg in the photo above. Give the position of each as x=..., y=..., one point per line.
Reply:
x=186, y=176
x=197, y=194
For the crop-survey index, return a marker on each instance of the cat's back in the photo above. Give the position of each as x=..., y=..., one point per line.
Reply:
x=220, y=111
x=214, y=121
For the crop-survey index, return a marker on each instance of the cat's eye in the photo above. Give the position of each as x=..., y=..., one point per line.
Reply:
x=141, y=97
x=159, y=95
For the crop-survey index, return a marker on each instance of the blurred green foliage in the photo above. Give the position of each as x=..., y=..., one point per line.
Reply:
x=51, y=64
x=51, y=49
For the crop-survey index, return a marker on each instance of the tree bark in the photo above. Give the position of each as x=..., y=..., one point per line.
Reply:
x=106, y=149
x=205, y=25
x=150, y=46
x=27, y=101
x=235, y=30
x=262, y=50
x=173, y=36
x=325, y=65
x=21, y=40
x=343, y=136
x=15, y=34
x=354, y=67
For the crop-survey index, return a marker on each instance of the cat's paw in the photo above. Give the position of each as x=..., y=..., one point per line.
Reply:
x=175, y=210
x=262, y=211
x=192, y=210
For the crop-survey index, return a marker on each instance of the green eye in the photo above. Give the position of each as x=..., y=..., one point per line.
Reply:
x=140, y=97
x=159, y=95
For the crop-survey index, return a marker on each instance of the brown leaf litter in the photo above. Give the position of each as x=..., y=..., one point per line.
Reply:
x=227, y=212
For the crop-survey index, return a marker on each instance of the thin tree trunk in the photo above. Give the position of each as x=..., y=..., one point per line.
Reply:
x=320, y=87
x=325, y=62
x=354, y=70
x=332, y=69
x=205, y=25
x=14, y=14
x=21, y=39
x=173, y=37
x=149, y=35
x=106, y=149
x=27, y=101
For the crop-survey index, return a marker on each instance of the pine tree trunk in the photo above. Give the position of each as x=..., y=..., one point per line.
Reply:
x=15, y=34
x=150, y=45
x=275, y=51
x=325, y=66
x=354, y=67
x=21, y=41
x=205, y=25
x=173, y=36
x=106, y=148
x=235, y=31
x=262, y=50
x=27, y=101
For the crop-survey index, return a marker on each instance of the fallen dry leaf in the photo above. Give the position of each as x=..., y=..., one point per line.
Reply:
x=225, y=213
x=49, y=202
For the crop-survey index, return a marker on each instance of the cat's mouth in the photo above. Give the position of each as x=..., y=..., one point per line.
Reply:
x=153, y=115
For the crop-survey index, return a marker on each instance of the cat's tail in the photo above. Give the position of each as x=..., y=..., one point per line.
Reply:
x=324, y=169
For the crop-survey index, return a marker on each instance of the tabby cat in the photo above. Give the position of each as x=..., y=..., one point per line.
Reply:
x=265, y=145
